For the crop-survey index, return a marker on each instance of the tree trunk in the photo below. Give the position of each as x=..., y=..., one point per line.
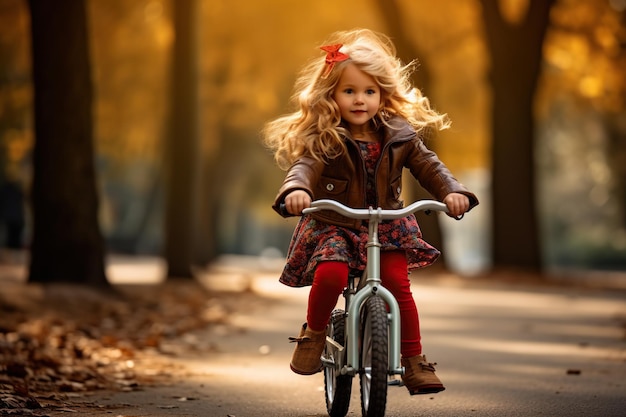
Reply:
x=617, y=141
x=617, y=161
x=67, y=243
x=182, y=145
x=516, y=57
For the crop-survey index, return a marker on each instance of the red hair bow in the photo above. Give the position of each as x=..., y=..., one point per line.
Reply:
x=332, y=57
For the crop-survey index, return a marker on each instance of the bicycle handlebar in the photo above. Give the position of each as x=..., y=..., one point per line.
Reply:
x=363, y=214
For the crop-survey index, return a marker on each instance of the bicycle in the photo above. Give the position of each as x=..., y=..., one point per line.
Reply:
x=364, y=338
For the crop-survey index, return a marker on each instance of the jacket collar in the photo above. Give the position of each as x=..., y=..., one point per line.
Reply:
x=398, y=130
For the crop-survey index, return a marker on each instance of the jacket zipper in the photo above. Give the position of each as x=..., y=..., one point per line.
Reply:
x=364, y=169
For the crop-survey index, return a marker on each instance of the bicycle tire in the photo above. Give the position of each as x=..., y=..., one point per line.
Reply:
x=337, y=388
x=374, y=357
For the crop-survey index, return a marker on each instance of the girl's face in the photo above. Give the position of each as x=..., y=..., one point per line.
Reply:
x=358, y=97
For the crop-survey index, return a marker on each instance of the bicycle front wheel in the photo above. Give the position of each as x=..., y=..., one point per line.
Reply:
x=374, y=357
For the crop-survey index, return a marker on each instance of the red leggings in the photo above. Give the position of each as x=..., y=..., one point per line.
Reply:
x=332, y=277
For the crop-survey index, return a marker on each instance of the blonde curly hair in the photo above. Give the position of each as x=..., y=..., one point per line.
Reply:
x=315, y=128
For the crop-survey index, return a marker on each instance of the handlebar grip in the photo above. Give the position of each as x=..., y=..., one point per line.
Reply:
x=282, y=209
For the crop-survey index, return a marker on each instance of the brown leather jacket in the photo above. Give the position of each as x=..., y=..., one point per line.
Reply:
x=344, y=178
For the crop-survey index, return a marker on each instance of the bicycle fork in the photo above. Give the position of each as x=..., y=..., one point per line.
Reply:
x=352, y=329
x=371, y=288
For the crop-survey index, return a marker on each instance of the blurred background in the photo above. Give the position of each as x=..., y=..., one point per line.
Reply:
x=562, y=62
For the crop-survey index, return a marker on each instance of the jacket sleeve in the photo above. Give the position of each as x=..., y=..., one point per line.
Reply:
x=302, y=175
x=433, y=175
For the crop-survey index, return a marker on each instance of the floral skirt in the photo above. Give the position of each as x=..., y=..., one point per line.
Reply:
x=314, y=241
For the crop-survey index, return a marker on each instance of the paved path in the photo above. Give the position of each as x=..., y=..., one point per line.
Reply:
x=502, y=350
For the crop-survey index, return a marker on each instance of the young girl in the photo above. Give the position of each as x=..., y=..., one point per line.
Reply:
x=358, y=123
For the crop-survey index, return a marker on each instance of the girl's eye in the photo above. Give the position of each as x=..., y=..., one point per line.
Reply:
x=348, y=91
x=371, y=92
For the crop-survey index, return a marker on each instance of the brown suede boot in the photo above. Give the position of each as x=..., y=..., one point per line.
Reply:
x=306, y=357
x=419, y=376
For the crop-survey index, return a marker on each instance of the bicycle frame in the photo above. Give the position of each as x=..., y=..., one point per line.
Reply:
x=373, y=284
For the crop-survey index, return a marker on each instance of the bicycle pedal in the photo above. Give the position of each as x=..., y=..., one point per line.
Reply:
x=334, y=343
x=395, y=382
